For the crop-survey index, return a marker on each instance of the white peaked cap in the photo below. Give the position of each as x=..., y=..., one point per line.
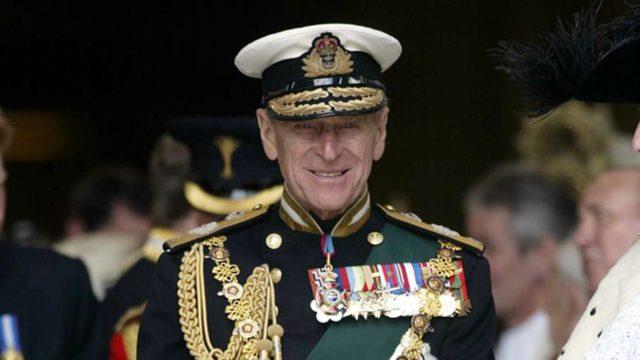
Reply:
x=254, y=58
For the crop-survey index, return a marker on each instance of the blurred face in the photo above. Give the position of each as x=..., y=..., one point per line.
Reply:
x=325, y=162
x=609, y=221
x=513, y=273
x=124, y=219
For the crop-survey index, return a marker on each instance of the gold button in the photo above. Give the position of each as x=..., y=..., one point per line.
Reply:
x=390, y=207
x=276, y=275
x=375, y=238
x=257, y=206
x=274, y=241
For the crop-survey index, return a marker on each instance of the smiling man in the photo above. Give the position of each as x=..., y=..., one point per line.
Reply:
x=325, y=273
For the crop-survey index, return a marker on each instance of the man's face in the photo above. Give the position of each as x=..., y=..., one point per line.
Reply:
x=609, y=221
x=513, y=272
x=325, y=162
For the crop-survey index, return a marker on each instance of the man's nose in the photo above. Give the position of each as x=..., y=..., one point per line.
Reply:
x=329, y=145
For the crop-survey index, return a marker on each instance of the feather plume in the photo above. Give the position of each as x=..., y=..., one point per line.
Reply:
x=552, y=71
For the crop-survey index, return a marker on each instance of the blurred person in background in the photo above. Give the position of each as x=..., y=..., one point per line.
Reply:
x=521, y=217
x=46, y=302
x=201, y=170
x=609, y=218
x=587, y=61
x=107, y=225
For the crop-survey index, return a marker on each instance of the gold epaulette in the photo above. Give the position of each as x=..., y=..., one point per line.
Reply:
x=207, y=230
x=438, y=230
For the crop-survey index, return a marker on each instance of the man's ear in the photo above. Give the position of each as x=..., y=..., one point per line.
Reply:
x=267, y=134
x=381, y=132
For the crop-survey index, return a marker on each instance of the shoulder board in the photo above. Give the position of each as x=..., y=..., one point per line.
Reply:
x=207, y=230
x=468, y=243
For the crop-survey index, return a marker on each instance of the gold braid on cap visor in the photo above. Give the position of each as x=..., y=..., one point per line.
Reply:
x=364, y=98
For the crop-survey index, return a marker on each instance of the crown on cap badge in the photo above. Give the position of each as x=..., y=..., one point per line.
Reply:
x=327, y=57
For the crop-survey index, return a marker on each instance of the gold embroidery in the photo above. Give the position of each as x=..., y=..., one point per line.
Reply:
x=251, y=312
x=368, y=98
x=412, y=342
x=291, y=99
x=225, y=272
x=286, y=105
x=289, y=105
x=238, y=310
x=353, y=91
x=227, y=146
x=442, y=267
x=188, y=308
x=298, y=110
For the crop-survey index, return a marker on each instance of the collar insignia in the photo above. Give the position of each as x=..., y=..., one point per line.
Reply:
x=299, y=219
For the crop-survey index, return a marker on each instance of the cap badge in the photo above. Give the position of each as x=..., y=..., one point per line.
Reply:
x=327, y=57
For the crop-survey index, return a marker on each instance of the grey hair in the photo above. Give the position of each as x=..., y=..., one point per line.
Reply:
x=539, y=207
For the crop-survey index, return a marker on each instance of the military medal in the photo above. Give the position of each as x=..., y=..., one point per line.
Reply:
x=329, y=301
x=434, y=288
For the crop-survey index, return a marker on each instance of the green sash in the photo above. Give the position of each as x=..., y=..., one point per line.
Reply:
x=375, y=338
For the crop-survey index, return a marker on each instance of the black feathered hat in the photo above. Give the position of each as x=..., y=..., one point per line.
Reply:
x=229, y=171
x=582, y=61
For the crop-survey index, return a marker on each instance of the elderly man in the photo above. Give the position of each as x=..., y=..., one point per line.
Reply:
x=596, y=63
x=609, y=216
x=521, y=217
x=325, y=273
